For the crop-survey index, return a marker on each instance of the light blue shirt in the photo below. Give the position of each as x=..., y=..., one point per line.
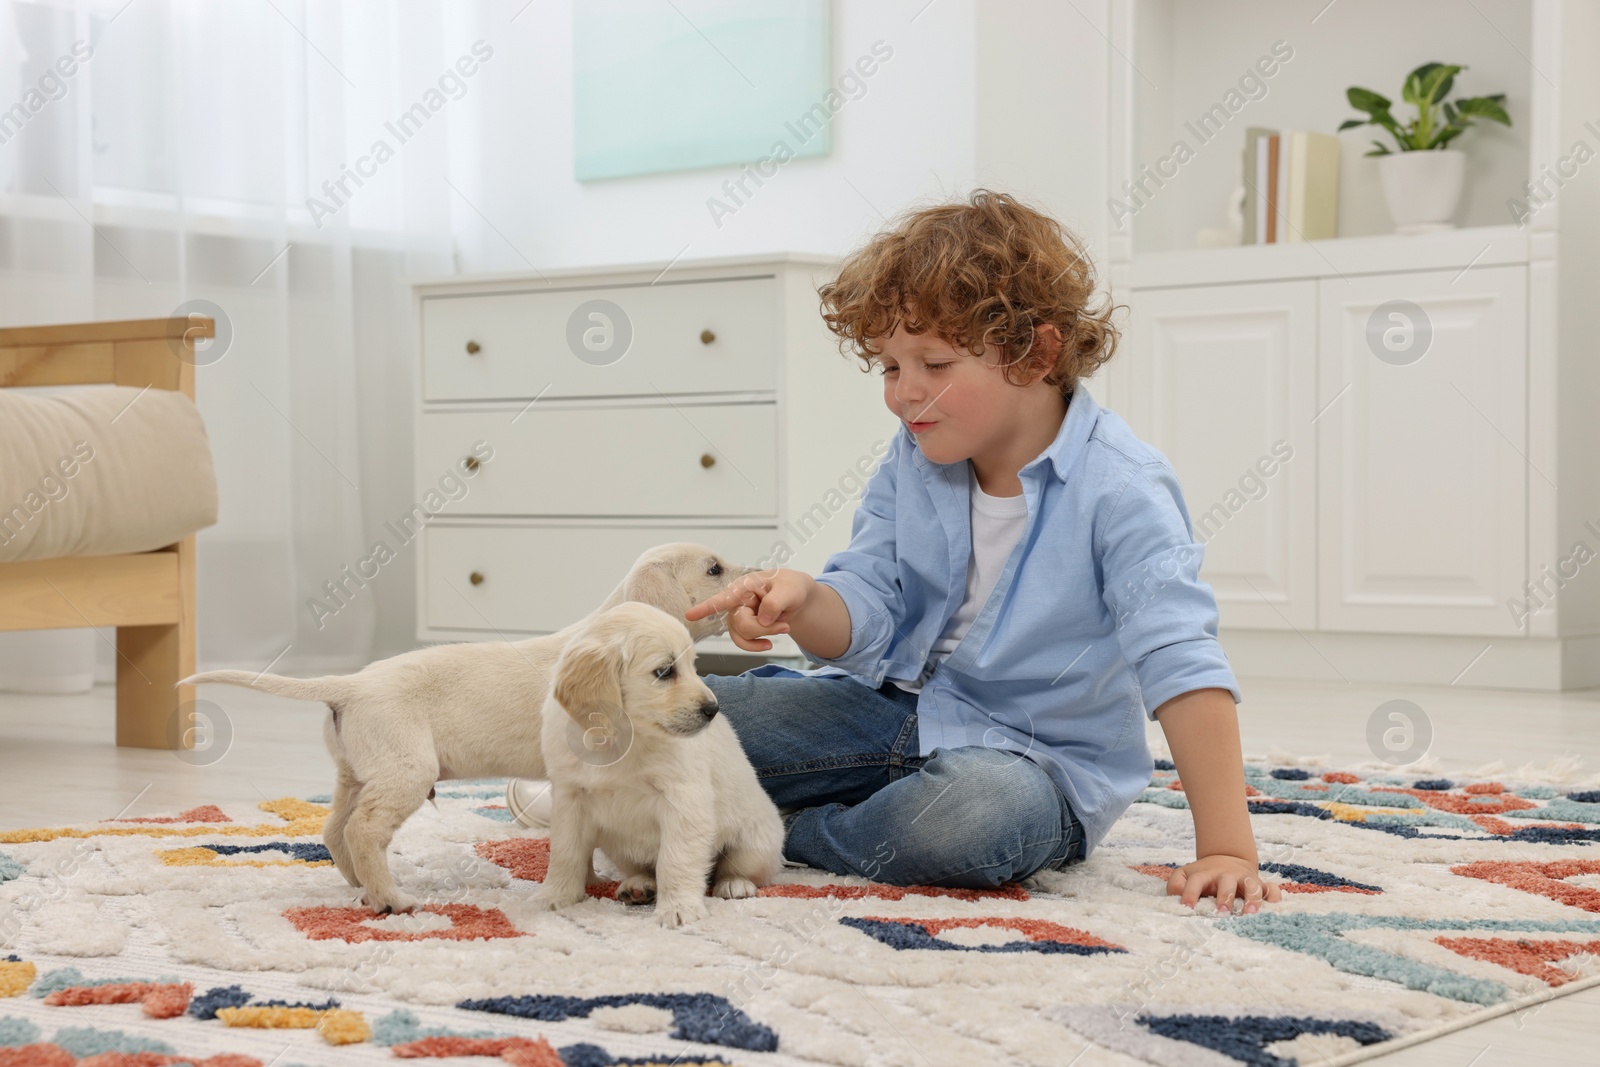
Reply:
x=1098, y=618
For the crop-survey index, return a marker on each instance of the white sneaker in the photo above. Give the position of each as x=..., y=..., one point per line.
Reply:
x=529, y=801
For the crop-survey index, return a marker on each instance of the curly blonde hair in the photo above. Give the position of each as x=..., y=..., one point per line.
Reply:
x=987, y=271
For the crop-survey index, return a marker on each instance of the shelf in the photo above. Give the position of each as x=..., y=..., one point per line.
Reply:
x=1477, y=246
x=1199, y=73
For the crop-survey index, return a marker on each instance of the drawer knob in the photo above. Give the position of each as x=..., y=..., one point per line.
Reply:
x=473, y=348
x=476, y=578
x=707, y=459
x=706, y=337
x=471, y=463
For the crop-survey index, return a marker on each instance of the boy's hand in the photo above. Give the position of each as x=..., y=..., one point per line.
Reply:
x=1203, y=732
x=1223, y=877
x=761, y=603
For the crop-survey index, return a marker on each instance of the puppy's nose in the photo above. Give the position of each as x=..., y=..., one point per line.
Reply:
x=709, y=709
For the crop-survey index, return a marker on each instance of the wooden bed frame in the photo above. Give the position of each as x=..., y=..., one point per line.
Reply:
x=147, y=596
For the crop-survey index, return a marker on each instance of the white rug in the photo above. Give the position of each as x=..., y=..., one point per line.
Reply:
x=1415, y=906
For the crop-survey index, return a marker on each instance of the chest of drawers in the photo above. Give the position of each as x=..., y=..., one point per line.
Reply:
x=568, y=420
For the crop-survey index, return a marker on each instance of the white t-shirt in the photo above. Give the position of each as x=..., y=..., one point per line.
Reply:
x=997, y=525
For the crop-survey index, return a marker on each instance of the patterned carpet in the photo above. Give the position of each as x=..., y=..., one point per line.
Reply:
x=224, y=938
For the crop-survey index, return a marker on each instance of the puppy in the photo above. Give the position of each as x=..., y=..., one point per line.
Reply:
x=468, y=710
x=641, y=766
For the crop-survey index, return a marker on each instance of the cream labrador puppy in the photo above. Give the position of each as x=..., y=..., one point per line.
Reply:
x=641, y=766
x=468, y=710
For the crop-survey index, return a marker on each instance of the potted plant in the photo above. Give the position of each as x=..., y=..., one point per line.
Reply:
x=1422, y=181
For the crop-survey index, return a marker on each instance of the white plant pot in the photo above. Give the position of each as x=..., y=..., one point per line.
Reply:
x=1423, y=188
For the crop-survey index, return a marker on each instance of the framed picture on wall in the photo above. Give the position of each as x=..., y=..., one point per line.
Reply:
x=698, y=83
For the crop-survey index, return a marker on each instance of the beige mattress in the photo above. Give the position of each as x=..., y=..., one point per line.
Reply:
x=101, y=470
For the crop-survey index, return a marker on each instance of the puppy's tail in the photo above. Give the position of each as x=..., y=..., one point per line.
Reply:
x=327, y=688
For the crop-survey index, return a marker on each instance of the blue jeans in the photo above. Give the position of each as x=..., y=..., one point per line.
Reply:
x=847, y=757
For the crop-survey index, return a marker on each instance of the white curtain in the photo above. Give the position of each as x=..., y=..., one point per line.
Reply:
x=162, y=152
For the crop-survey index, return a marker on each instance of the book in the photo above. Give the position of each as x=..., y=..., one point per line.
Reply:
x=1312, y=188
x=1291, y=186
x=1280, y=190
x=1274, y=202
x=1256, y=140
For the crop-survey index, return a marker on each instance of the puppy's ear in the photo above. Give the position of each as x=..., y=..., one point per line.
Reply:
x=587, y=680
x=656, y=585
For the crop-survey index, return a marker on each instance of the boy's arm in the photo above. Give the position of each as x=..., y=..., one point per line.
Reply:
x=1165, y=617
x=1163, y=613
x=1202, y=729
x=762, y=604
x=824, y=631
x=845, y=616
x=864, y=577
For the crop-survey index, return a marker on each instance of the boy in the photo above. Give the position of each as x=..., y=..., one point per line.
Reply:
x=1020, y=588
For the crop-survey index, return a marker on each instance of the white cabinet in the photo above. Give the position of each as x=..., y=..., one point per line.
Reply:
x=592, y=414
x=1224, y=382
x=678, y=337
x=538, y=576
x=1350, y=447
x=680, y=459
x=1356, y=448
x=1421, y=451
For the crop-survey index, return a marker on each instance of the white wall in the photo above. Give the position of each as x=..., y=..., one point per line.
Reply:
x=1042, y=109
x=912, y=138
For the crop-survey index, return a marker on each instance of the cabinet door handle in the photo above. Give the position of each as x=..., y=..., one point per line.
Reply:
x=473, y=348
x=471, y=463
x=476, y=578
x=706, y=337
x=707, y=459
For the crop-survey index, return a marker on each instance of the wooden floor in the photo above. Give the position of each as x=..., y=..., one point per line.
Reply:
x=58, y=766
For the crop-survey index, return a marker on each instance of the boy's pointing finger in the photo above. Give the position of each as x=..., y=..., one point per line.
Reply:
x=702, y=609
x=730, y=597
x=711, y=605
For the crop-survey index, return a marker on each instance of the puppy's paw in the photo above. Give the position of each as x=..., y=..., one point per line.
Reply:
x=392, y=903
x=734, y=888
x=674, y=913
x=637, y=889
